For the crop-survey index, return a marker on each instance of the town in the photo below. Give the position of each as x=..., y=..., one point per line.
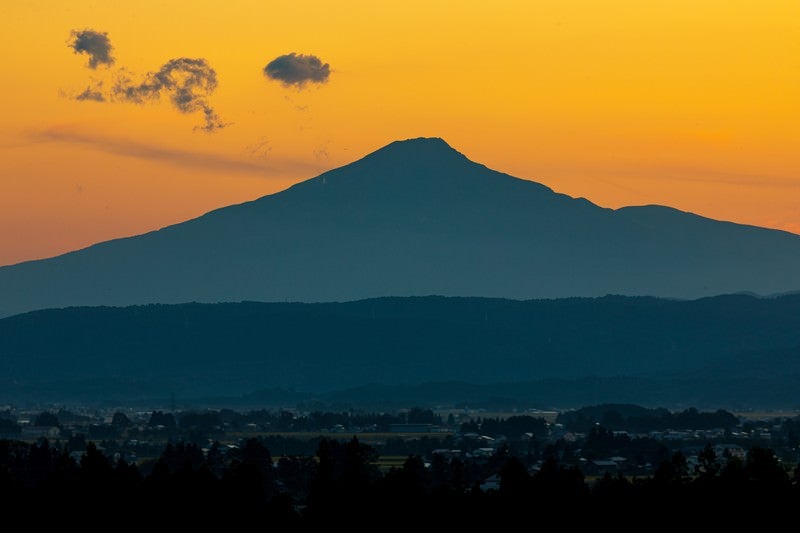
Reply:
x=625, y=439
x=308, y=468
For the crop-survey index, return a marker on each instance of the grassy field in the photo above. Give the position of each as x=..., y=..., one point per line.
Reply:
x=365, y=437
x=766, y=415
x=387, y=462
x=464, y=415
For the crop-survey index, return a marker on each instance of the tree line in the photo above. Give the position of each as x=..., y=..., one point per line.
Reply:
x=642, y=420
x=341, y=483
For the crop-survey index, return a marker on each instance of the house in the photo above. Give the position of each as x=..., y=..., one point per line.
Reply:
x=36, y=432
x=491, y=483
x=483, y=452
x=410, y=428
x=446, y=454
x=603, y=466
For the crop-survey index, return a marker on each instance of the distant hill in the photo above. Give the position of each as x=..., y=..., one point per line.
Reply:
x=634, y=418
x=414, y=218
x=622, y=349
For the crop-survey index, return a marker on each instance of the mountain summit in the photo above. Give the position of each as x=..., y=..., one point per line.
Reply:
x=425, y=151
x=424, y=157
x=415, y=217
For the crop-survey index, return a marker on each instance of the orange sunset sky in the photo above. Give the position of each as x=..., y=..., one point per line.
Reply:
x=693, y=104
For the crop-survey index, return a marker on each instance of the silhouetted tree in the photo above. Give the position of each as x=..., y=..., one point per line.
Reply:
x=9, y=428
x=763, y=469
x=707, y=466
x=345, y=473
x=405, y=489
x=251, y=474
x=120, y=421
x=296, y=473
x=515, y=483
x=182, y=455
x=46, y=418
x=673, y=471
x=159, y=418
x=418, y=415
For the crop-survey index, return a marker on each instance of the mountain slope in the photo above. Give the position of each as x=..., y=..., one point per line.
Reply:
x=413, y=218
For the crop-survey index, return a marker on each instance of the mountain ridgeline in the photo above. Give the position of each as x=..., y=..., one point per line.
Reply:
x=414, y=218
x=627, y=349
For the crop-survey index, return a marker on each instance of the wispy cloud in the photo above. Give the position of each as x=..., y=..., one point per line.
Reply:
x=188, y=82
x=716, y=176
x=259, y=150
x=173, y=156
x=94, y=94
x=297, y=70
x=95, y=44
x=135, y=149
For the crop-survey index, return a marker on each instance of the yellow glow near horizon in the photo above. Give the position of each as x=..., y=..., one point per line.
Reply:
x=693, y=104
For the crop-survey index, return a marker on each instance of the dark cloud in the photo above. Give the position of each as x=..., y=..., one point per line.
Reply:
x=188, y=82
x=93, y=94
x=297, y=70
x=93, y=43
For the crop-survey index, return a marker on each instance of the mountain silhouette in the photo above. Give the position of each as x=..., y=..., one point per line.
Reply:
x=411, y=219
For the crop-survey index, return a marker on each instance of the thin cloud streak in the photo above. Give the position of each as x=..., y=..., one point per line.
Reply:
x=684, y=173
x=173, y=156
x=716, y=177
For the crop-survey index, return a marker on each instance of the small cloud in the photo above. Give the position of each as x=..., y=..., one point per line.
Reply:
x=297, y=70
x=93, y=43
x=93, y=94
x=188, y=82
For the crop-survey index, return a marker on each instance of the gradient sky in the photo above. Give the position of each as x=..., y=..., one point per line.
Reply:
x=693, y=104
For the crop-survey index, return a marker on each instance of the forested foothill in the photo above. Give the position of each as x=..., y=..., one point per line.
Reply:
x=735, y=351
x=620, y=464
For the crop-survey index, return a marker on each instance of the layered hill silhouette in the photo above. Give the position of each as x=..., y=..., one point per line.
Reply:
x=710, y=351
x=414, y=218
